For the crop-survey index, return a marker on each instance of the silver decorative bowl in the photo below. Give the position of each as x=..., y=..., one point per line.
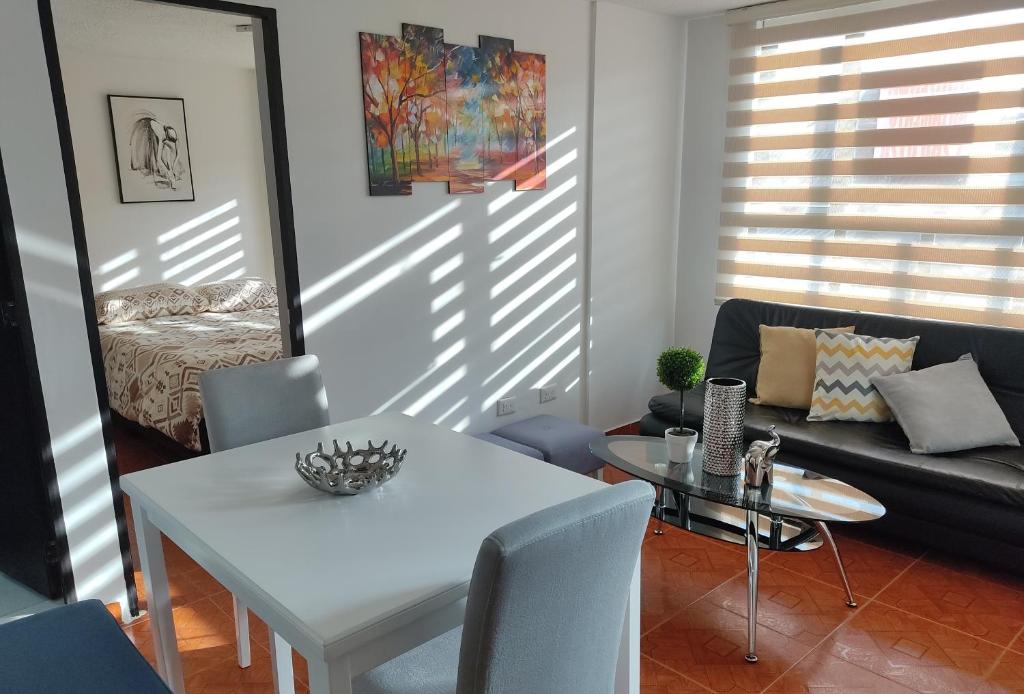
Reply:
x=350, y=471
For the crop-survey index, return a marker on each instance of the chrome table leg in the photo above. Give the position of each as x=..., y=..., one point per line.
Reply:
x=751, y=586
x=659, y=509
x=827, y=536
x=775, y=532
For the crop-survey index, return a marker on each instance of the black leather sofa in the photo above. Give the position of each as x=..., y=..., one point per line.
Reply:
x=971, y=502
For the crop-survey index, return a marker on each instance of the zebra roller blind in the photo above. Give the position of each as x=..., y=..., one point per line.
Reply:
x=874, y=160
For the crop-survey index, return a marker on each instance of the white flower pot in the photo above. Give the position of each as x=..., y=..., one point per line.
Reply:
x=681, y=443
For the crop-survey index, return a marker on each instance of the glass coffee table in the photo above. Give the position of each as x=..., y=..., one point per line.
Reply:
x=789, y=515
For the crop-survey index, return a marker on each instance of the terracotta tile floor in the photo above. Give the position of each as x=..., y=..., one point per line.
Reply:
x=924, y=623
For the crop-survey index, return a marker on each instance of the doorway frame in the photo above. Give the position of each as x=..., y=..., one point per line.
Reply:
x=40, y=434
x=286, y=249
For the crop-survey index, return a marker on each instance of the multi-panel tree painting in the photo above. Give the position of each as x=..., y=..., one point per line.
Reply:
x=436, y=111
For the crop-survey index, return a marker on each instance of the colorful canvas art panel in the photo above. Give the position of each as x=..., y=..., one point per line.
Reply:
x=529, y=114
x=497, y=94
x=386, y=72
x=427, y=106
x=465, y=120
x=444, y=112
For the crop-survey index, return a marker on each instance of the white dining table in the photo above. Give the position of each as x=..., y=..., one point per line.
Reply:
x=348, y=581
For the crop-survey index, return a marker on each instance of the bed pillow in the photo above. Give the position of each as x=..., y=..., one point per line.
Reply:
x=148, y=301
x=785, y=376
x=244, y=294
x=844, y=366
x=946, y=408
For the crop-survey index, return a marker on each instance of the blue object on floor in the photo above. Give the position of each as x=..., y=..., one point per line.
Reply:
x=563, y=443
x=73, y=649
x=511, y=445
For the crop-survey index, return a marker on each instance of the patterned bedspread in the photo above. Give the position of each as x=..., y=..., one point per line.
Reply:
x=153, y=365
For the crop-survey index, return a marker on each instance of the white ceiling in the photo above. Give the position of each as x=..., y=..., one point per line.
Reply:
x=150, y=30
x=689, y=8
x=146, y=29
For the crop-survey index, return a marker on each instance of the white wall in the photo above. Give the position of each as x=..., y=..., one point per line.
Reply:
x=707, y=79
x=227, y=169
x=413, y=303
x=638, y=74
x=42, y=219
x=376, y=271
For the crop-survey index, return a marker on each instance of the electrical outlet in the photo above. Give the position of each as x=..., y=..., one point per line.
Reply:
x=506, y=406
x=548, y=392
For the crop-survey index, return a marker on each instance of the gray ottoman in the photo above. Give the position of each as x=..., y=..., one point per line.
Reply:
x=511, y=445
x=563, y=443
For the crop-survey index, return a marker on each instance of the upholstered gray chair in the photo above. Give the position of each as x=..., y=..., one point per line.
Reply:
x=532, y=626
x=259, y=402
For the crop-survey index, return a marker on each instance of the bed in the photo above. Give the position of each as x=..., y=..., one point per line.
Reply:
x=158, y=339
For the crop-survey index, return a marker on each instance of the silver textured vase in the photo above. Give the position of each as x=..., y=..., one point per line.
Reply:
x=724, y=402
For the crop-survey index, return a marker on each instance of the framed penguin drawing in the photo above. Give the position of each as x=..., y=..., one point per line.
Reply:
x=151, y=148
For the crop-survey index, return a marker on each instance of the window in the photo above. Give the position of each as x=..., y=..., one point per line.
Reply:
x=875, y=161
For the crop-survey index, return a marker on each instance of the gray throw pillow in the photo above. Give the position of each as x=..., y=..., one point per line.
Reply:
x=946, y=408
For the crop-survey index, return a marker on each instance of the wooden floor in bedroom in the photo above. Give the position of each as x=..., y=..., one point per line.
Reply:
x=136, y=450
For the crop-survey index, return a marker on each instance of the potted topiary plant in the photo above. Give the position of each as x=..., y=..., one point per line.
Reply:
x=680, y=368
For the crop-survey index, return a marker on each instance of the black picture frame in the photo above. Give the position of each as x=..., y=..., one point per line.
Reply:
x=130, y=190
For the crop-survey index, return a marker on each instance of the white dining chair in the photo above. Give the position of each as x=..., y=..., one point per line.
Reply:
x=253, y=403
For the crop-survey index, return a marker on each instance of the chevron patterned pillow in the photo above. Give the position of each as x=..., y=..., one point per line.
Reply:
x=844, y=366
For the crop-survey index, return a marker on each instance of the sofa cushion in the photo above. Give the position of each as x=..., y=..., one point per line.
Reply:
x=785, y=374
x=995, y=473
x=844, y=366
x=946, y=408
x=735, y=348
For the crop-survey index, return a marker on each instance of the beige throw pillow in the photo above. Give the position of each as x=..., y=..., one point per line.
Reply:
x=785, y=377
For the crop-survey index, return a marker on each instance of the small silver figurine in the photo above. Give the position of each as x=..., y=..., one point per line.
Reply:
x=759, y=459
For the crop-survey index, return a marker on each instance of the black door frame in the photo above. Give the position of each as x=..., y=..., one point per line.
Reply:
x=40, y=434
x=286, y=221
